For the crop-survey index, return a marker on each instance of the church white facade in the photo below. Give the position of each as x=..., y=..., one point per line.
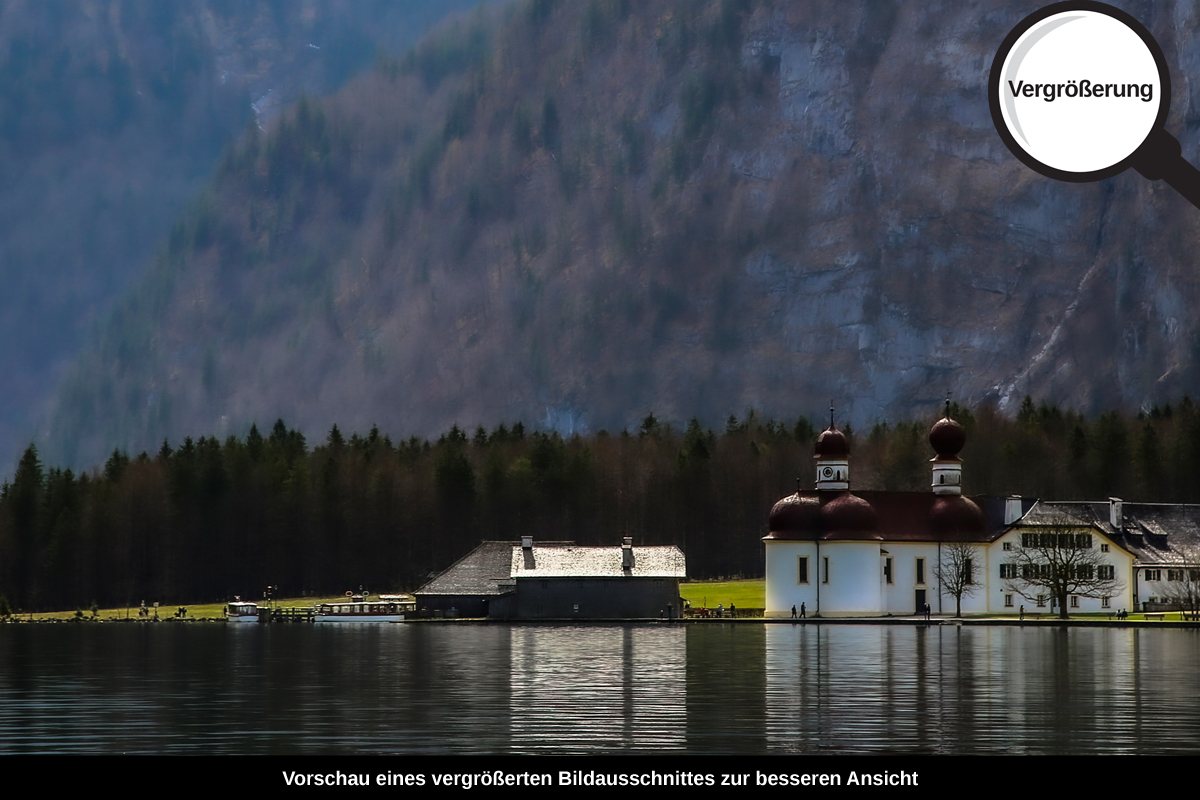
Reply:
x=832, y=553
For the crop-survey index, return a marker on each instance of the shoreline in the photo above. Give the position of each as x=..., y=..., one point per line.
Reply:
x=1002, y=622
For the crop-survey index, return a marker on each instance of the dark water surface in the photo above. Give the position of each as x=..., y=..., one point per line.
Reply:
x=524, y=689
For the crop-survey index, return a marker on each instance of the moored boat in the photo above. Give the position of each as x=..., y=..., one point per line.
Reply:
x=240, y=611
x=389, y=608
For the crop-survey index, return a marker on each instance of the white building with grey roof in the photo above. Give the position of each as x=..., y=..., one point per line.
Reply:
x=560, y=580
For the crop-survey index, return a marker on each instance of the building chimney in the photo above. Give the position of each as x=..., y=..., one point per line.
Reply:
x=1116, y=514
x=1012, y=509
x=627, y=553
x=526, y=542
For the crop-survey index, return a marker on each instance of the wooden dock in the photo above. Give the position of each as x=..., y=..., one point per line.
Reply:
x=294, y=614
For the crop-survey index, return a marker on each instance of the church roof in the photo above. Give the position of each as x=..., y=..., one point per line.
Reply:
x=832, y=444
x=848, y=517
x=906, y=517
x=900, y=517
x=947, y=438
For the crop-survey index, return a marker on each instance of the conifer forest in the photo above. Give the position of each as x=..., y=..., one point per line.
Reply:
x=203, y=519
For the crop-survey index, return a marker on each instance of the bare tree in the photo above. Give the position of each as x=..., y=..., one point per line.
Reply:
x=956, y=571
x=1183, y=577
x=1059, y=560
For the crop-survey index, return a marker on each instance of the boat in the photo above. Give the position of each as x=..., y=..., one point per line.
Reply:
x=240, y=611
x=389, y=608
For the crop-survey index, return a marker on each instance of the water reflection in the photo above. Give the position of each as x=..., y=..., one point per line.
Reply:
x=482, y=689
x=613, y=689
x=948, y=689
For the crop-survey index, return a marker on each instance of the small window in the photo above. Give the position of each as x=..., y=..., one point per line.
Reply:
x=1008, y=571
x=968, y=571
x=1007, y=546
x=1153, y=574
x=887, y=569
x=1041, y=601
x=1008, y=601
x=826, y=565
x=1103, y=548
x=1074, y=601
x=1174, y=574
x=803, y=573
x=1105, y=572
x=920, y=570
x=1104, y=602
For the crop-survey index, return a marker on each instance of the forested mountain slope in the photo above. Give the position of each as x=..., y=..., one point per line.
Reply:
x=112, y=116
x=573, y=213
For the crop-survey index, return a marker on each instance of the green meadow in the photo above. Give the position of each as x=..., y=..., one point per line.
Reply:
x=709, y=594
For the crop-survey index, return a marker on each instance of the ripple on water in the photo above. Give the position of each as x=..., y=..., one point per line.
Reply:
x=704, y=689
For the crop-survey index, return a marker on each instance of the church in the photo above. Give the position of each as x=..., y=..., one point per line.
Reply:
x=833, y=553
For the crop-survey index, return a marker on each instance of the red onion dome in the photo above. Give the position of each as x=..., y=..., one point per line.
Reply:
x=954, y=518
x=832, y=444
x=847, y=516
x=795, y=517
x=947, y=438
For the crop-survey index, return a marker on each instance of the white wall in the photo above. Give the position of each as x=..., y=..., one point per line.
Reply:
x=782, y=572
x=857, y=586
x=853, y=588
x=1121, y=560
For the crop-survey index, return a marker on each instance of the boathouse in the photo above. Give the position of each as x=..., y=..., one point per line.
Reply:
x=560, y=580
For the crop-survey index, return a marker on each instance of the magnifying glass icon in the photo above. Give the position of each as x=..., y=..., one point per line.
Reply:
x=1079, y=91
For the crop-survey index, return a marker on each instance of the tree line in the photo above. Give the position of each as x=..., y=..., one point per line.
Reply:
x=207, y=519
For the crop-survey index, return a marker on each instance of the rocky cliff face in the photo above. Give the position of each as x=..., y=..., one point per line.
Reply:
x=692, y=209
x=934, y=261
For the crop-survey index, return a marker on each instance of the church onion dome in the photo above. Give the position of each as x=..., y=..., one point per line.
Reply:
x=947, y=439
x=954, y=518
x=848, y=517
x=832, y=444
x=795, y=517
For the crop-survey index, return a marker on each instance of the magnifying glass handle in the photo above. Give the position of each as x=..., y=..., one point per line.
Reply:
x=1160, y=158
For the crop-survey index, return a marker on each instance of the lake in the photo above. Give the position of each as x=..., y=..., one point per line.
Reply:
x=497, y=689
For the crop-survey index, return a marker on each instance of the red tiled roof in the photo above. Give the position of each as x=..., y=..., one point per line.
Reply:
x=910, y=517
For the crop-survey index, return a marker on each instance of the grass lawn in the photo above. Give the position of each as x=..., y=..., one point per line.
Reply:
x=744, y=594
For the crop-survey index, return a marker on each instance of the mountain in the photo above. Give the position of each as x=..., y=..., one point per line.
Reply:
x=575, y=213
x=113, y=114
